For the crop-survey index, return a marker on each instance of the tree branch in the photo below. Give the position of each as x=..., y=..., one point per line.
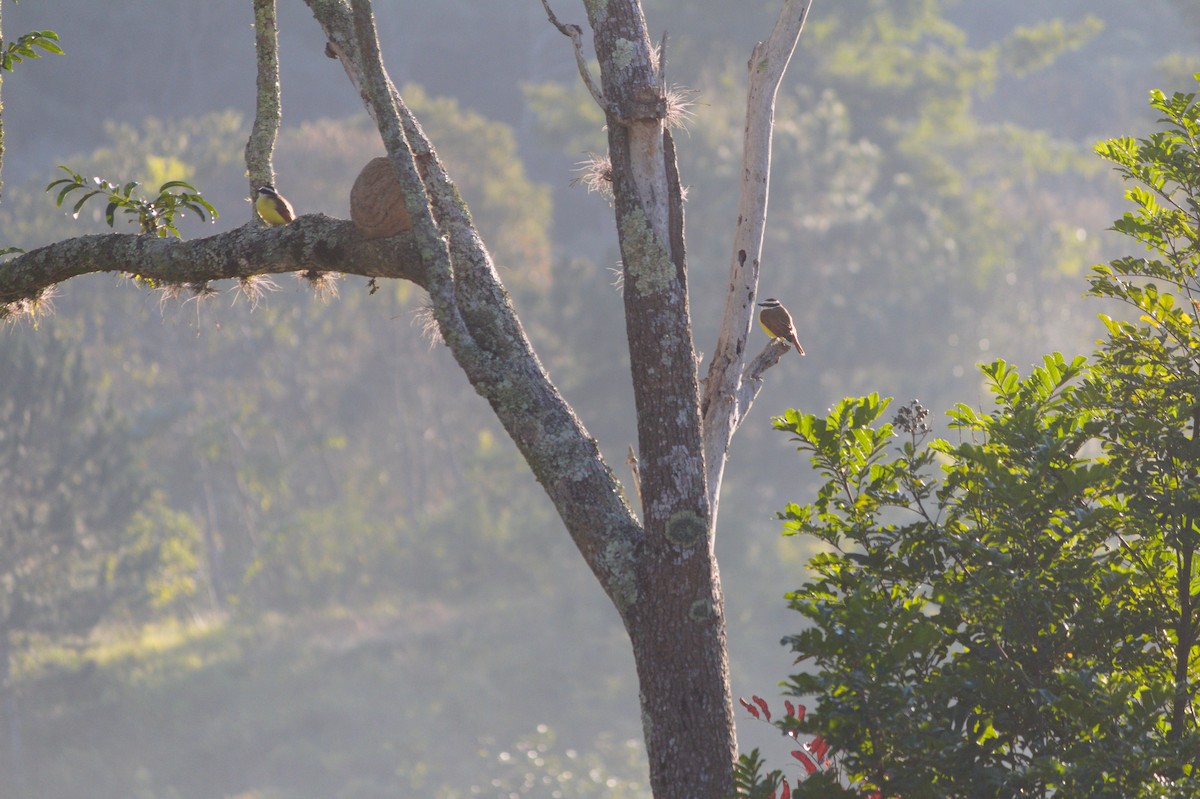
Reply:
x=268, y=113
x=312, y=243
x=727, y=398
x=575, y=34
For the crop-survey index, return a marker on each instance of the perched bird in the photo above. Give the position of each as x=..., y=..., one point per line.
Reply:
x=272, y=207
x=776, y=320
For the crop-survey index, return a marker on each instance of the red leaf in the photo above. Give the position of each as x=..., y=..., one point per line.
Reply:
x=805, y=761
x=787, y=791
x=799, y=714
x=758, y=700
x=753, y=710
x=819, y=748
x=791, y=709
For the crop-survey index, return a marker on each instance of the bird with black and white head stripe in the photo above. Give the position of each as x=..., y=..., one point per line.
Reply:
x=272, y=207
x=777, y=322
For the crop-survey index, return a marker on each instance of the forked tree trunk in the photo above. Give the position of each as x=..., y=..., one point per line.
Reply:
x=659, y=571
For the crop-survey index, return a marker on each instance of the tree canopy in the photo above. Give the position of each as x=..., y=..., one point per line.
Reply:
x=1011, y=610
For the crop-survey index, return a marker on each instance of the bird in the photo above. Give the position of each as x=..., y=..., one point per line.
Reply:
x=776, y=320
x=272, y=207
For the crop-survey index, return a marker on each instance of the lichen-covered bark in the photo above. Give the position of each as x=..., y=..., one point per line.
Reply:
x=311, y=243
x=677, y=626
x=480, y=325
x=260, y=146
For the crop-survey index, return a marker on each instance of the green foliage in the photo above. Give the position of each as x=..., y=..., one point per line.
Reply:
x=968, y=633
x=164, y=551
x=159, y=150
x=1166, y=215
x=1012, y=613
x=1147, y=390
x=1034, y=47
x=749, y=779
x=68, y=488
x=27, y=46
x=155, y=216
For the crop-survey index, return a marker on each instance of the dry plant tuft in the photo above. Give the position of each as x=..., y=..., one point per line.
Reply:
x=595, y=174
x=679, y=106
x=618, y=281
x=254, y=288
x=30, y=309
x=323, y=284
x=424, y=317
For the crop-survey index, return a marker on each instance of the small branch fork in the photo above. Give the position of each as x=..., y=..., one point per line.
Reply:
x=575, y=33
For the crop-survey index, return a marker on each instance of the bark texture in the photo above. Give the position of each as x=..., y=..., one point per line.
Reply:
x=268, y=113
x=313, y=243
x=677, y=626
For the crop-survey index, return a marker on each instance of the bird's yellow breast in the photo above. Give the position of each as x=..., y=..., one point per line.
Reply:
x=267, y=209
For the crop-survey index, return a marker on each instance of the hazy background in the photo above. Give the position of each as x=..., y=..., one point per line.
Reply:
x=305, y=560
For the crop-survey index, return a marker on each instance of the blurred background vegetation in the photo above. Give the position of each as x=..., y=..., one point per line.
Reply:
x=283, y=550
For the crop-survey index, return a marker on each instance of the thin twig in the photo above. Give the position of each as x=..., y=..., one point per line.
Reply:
x=575, y=33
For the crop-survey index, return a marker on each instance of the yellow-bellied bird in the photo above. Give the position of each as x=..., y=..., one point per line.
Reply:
x=272, y=207
x=776, y=320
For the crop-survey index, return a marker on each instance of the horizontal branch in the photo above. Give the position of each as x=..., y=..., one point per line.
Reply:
x=314, y=242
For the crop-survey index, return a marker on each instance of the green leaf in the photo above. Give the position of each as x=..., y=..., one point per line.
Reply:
x=78, y=205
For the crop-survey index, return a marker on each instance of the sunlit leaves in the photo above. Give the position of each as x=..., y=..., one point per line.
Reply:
x=1162, y=169
x=30, y=45
x=155, y=216
x=970, y=583
x=1010, y=610
x=845, y=447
